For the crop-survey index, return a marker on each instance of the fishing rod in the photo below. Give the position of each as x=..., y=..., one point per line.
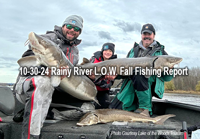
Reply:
x=192, y=128
x=184, y=128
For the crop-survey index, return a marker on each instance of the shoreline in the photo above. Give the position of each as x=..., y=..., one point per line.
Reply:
x=183, y=92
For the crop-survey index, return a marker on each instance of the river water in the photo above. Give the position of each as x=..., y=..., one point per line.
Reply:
x=183, y=98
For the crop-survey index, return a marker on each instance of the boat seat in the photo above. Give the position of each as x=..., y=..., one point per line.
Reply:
x=7, y=101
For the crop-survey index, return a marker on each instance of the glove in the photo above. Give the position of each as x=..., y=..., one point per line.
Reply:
x=106, y=85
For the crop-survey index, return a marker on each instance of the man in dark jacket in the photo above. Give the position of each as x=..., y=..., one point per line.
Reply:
x=36, y=92
x=136, y=91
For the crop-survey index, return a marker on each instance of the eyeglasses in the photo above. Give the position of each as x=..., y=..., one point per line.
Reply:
x=77, y=29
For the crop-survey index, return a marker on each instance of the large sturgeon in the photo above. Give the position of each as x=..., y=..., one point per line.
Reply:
x=111, y=115
x=49, y=54
x=151, y=62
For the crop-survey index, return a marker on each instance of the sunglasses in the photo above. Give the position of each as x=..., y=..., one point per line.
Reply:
x=77, y=29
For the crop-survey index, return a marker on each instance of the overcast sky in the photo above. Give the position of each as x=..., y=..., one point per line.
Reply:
x=177, y=25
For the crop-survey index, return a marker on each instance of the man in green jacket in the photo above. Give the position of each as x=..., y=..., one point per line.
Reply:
x=137, y=90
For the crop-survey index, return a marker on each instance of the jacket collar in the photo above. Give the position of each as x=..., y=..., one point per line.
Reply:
x=151, y=45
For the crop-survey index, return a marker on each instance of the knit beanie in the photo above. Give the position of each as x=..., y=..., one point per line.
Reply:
x=74, y=20
x=107, y=46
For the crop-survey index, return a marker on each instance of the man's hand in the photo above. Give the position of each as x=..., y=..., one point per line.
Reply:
x=110, y=77
x=61, y=68
x=63, y=76
x=107, y=85
x=48, y=73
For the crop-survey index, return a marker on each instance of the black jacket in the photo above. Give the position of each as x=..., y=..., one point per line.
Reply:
x=102, y=84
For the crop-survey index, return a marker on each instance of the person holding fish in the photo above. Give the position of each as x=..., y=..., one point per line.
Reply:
x=137, y=90
x=37, y=92
x=103, y=85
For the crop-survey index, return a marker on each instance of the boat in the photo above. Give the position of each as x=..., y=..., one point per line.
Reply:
x=186, y=114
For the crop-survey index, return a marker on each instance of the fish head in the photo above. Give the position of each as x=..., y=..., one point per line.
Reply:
x=38, y=43
x=88, y=119
x=45, y=49
x=166, y=61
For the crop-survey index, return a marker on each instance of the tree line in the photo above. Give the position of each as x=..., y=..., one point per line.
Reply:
x=190, y=82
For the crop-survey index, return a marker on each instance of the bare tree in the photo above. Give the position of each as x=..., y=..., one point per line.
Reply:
x=188, y=82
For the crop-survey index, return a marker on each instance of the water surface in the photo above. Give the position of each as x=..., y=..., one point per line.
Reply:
x=183, y=98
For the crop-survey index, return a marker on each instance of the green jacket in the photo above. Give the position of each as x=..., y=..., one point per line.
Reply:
x=157, y=83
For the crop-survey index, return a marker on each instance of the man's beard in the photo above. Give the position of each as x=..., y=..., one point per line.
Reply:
x=70, y=39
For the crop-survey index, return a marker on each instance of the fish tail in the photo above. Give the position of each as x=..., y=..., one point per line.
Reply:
x=95, y=100
x=161, y=119
x=85, y=61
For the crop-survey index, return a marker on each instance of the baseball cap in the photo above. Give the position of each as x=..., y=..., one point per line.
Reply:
x=148, y=28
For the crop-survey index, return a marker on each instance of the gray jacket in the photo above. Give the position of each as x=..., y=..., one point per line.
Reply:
x=69, y=49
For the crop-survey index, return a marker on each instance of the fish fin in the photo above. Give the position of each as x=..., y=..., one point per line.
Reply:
x=85, y=61
x=79, y=124
x=95, y=100
x=102, y=122
x=161, y=119
x=28, y=61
